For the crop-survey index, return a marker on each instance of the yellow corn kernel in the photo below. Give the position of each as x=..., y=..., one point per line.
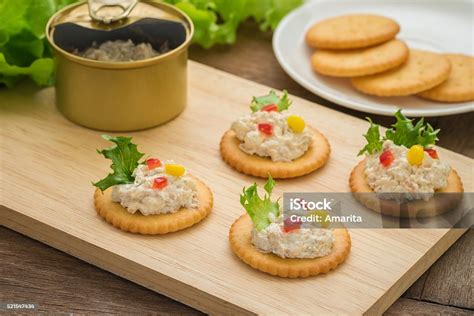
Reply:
x=296, y=123
x=415, y=155
x=174, y=170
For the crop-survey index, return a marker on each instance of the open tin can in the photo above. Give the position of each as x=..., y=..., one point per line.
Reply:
x=120, y=96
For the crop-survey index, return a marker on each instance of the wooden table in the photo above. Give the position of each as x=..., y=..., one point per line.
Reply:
x=58, y=283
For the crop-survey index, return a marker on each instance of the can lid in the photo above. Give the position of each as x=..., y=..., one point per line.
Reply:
x=111, y=14
x=124, y=8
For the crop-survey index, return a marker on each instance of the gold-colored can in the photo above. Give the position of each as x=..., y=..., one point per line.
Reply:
x=120, y=96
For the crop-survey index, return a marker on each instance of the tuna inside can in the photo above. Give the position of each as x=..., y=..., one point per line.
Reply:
x=162, y=35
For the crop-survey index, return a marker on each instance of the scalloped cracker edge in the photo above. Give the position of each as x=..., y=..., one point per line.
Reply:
x=459, y=87
x=338, y=32
x=314, y=158
x=360, y=62
x=157, y=224
x=241, y=245
x=423, y=70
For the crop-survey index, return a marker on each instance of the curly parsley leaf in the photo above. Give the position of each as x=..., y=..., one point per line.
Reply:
x=402, y=133
x=283, y=103
x=372, y=136
x=259, y=209
x=125, y=156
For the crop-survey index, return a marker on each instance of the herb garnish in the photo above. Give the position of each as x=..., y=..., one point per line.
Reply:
x=282, y=103
x=402, y=133
x=124, y=156
x=259, y=209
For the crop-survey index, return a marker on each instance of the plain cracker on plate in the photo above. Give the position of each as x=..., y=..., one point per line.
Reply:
x=351, y=31
x=314, y=158
x=443, y=200
x=459, y=87
x=240, y=238
x=360, y=62
x=423, y=70
x=157, y=224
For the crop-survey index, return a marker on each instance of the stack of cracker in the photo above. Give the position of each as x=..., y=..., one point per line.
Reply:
x=363, y=47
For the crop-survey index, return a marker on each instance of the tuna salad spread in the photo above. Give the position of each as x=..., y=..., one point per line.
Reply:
x=287, y=242
x=413, y=181
x=151, y=186
x=121, y=51
x=271, y=131
x=155, y=191
x=272, y=234
x=403, y=165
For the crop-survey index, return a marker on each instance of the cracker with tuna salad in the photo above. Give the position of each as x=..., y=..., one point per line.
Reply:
x=272, y=140
x=149, y=197
x=402, y=174
x=266, y=241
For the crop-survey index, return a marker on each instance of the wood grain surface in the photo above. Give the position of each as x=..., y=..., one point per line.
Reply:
x=32, y=271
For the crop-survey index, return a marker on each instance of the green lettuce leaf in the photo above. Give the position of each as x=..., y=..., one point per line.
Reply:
x=38, y=14
x=40, y=71
x=268, y=13
x=402, y=133
x=283, y=103
x=23, y=49
x=23, y=46
x=125, y=158
x=217, y=21
x=258, y=208
x=12, y=14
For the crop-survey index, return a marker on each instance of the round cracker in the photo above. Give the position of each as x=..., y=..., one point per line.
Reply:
x=360, y=62
x=314, y=158
x=240, y=238
x=351, y=31
x=423, y=70
x=157, y=224
x=459, y=87
x=437, y=205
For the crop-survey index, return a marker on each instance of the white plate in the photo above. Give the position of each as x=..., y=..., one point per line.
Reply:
x=440, y=26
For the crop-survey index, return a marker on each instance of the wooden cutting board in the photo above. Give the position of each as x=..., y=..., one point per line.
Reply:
x=48, y=163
